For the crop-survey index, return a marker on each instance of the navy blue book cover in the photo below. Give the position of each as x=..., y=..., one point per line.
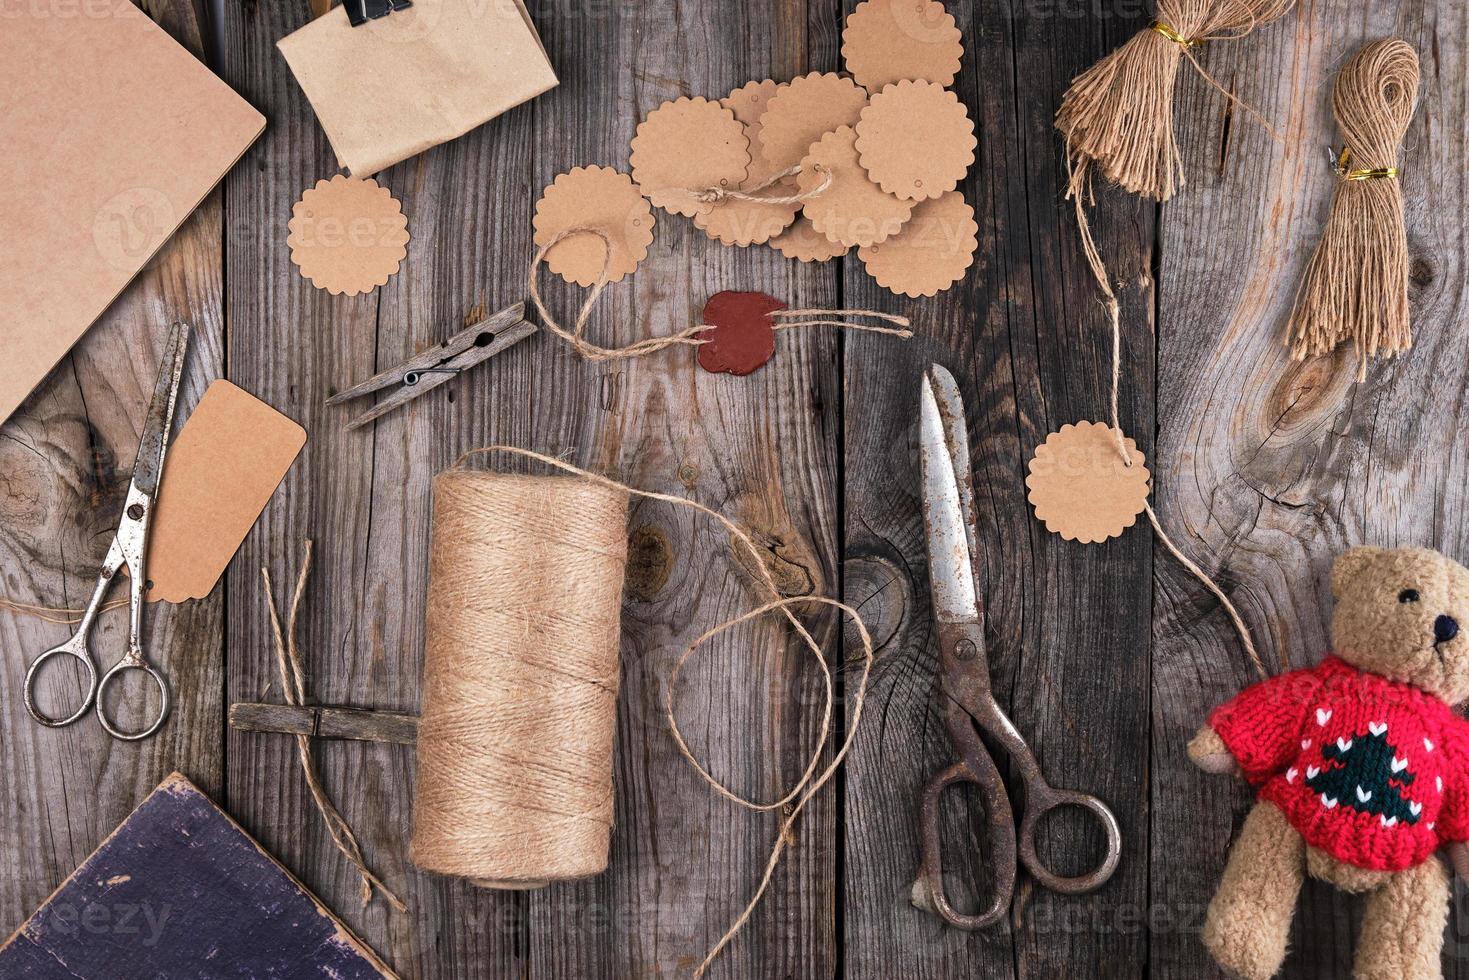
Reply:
x=180, y=890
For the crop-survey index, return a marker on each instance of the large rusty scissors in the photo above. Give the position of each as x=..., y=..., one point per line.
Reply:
x=963, y=684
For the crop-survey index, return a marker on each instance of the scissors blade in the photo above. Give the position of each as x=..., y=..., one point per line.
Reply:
x=956, y=433
x=950, y=562
x=159, y=421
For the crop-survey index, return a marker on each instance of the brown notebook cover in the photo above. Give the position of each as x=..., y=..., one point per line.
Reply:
x=112, y=133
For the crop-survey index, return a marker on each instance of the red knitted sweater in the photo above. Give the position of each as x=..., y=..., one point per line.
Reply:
x=1369, y=770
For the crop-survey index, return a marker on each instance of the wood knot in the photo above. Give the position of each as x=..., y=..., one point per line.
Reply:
x=1421, y=273
x=649, y=562
x=1307, y=393
x=876, y=585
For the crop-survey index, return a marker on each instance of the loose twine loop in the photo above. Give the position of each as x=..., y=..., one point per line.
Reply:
x=814, y=776
x=689, y=336
x=288, y=663
x=1356, y=283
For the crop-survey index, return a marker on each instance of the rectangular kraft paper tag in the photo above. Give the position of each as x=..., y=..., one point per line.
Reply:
x=219, y=474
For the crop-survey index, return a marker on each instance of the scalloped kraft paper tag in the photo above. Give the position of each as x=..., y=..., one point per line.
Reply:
x=600, y=198
x=805, y=110
x=736, y=222
x=1080, y=486
x=222, y=470
x=804, y=243
x=886, y=41
x=748, y=103
x=915, y=140
x=931, y=252
x=348, y=235
x=853, y=210
x=685, y=146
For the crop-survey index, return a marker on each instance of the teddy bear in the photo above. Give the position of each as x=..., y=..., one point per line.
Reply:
x=1361, y=771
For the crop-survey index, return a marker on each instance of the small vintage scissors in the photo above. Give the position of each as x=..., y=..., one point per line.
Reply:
x=129, y=547
x=964, y=682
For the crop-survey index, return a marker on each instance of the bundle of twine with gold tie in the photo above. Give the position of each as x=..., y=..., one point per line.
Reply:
x=1356, y=283
x=1118, y=114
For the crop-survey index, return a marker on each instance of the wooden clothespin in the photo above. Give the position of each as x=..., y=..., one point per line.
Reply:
x=426, y=371
x=325, y=721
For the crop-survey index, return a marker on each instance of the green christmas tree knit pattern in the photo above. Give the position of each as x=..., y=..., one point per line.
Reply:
x=1369, y=777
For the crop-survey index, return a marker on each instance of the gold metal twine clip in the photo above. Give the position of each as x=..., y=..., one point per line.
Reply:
x=1174, y=36
x=1339, y=163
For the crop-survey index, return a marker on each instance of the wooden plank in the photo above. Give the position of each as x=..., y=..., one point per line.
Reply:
x=293, y=346
x=1068, y=625
x=760, y=449
x=67, y=456
x=366, y=499
x=1272, y=468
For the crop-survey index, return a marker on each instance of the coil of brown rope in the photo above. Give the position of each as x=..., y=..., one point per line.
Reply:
x=1356, y=283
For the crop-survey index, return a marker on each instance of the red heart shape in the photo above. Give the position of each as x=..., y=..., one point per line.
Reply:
x=743, y=334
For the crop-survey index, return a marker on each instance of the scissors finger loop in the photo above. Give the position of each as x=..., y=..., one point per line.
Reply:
x=1042, y=800
x=163, y=700
x=33, y=675
x=928, y=888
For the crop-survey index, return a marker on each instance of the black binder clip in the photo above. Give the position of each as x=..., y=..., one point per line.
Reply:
x=359, y=12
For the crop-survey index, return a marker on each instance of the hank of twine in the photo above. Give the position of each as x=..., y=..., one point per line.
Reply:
x=521, y=673
x=288, y=663
x=689, y=336
x=1118, y=114
x=1356, y=283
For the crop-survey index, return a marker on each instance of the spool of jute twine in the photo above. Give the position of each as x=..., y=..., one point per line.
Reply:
x=521, y=672
x=1356, y=283
x=520, y=678
x=1118, y=114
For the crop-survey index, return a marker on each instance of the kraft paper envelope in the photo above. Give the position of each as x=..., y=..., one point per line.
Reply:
x=421, y=76
x=111, y=133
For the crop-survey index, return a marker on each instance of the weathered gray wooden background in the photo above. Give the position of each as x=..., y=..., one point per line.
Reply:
x=1108, y=656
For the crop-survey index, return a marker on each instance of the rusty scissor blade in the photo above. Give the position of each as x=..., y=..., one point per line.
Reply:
x=950, y=533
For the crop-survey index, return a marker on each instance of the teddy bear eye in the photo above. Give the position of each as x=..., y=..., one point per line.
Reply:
x=1408, y=595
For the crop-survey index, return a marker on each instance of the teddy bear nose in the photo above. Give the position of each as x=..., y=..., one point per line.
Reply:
x=1445, y=628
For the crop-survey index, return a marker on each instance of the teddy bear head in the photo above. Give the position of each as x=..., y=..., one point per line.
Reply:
x=1403, y=613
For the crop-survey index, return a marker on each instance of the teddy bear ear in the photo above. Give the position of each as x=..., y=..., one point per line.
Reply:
x=1348, y=566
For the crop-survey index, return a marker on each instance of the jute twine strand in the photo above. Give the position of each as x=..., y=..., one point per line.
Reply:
x=1114, y=316
x=288, y=664
x=1356, y=282
x=56, y=614
x=714, y=195
x=689, y=336
x=814, y=776
x=1118, y=114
